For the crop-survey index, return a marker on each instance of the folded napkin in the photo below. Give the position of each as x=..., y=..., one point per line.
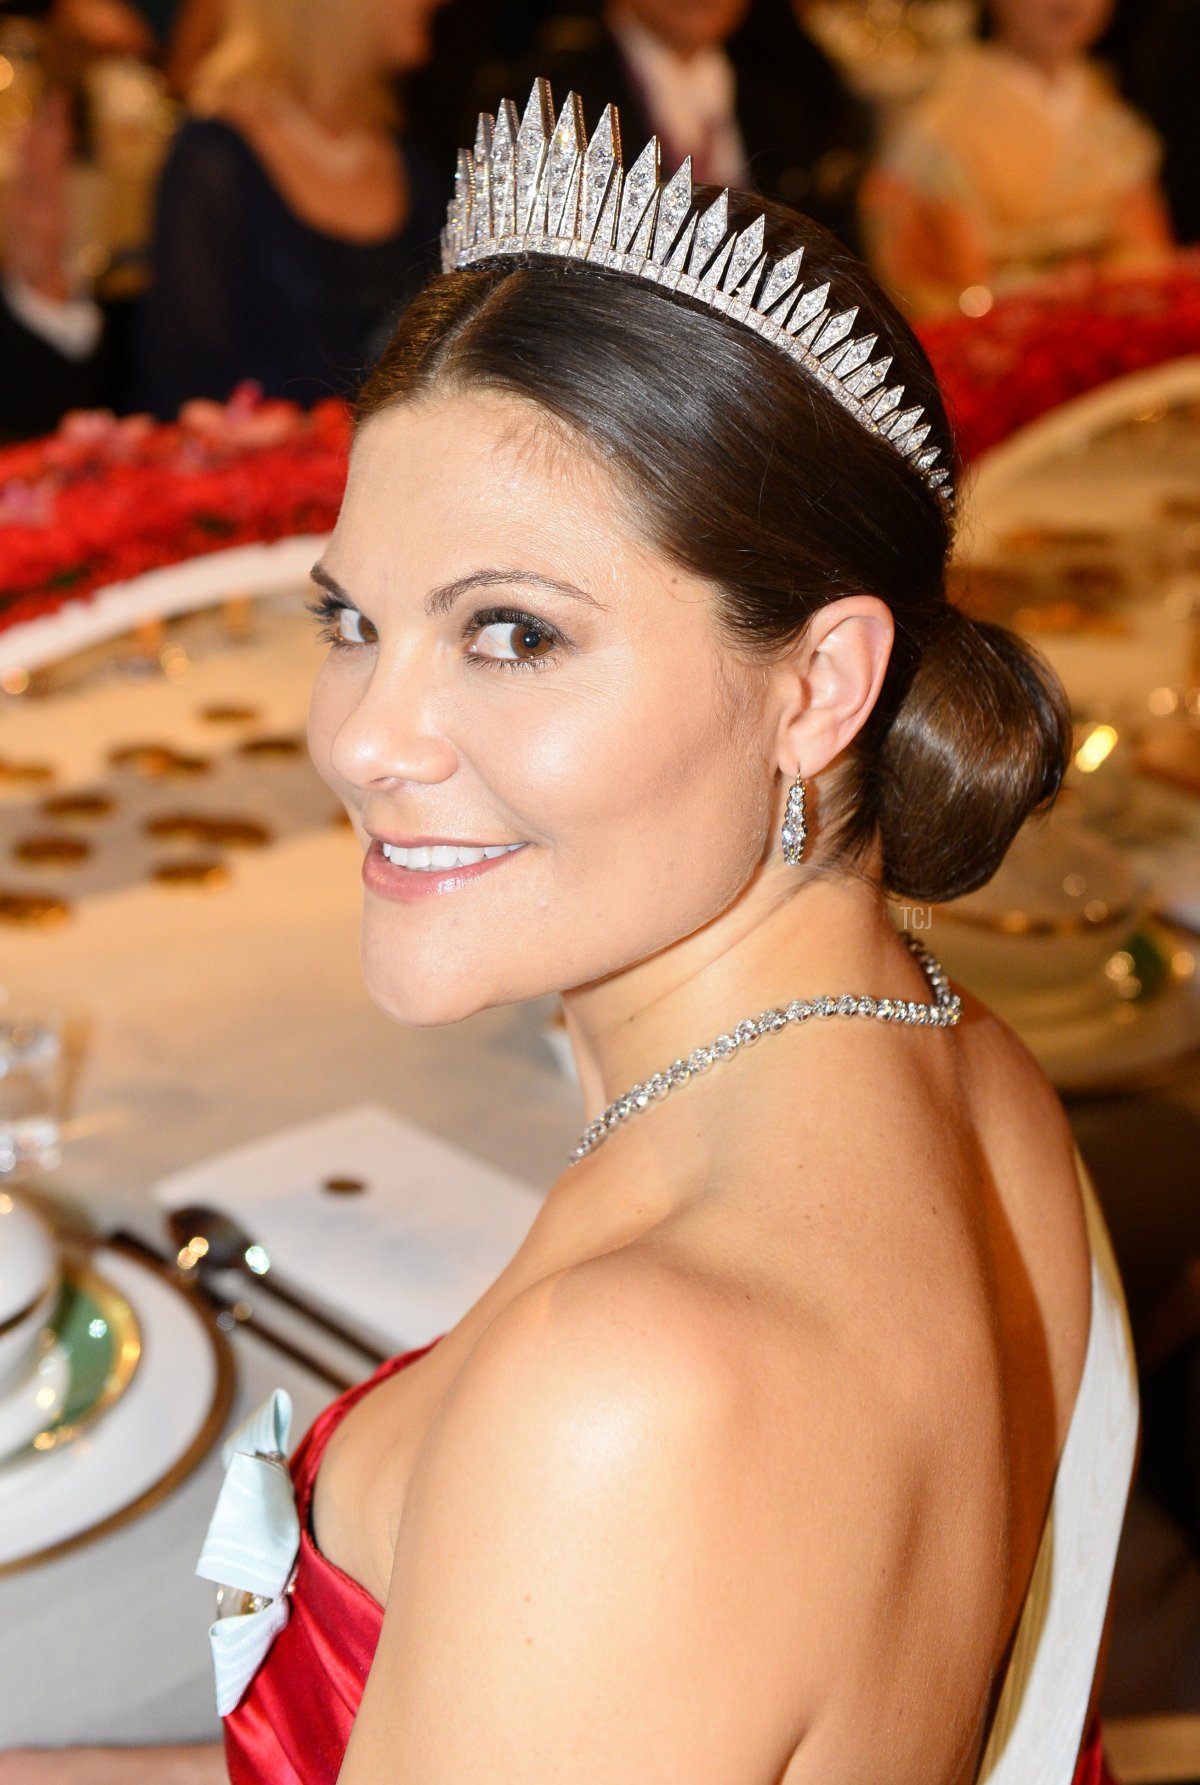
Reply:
x=407, y=1256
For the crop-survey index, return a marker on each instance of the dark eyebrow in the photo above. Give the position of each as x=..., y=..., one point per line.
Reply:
x=442, y=599
x=324, y=580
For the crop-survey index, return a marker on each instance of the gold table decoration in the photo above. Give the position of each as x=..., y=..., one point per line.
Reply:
x=32, y=911
x=194, y=872
x=228, y=713
x=78, y=805
x=26, y=771
x=271, y=746
x=344, y=1186
x=49, y=850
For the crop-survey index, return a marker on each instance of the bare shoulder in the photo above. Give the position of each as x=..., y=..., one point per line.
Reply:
x=614, y=1545
x=1037, y=1226
x=618, y=1348
x=1026, y=1137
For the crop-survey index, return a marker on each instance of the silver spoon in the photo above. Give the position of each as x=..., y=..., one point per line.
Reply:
x=216, y=1242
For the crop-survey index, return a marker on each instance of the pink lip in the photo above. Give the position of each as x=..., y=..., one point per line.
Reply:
x=390, y=881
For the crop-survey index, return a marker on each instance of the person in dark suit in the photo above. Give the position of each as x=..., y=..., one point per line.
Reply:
x=742, y=88
x=1163, y=66
x=55, y=348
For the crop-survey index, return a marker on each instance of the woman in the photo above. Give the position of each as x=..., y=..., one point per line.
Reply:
x=642, y=686
x=292, y=221
x=1021, y=162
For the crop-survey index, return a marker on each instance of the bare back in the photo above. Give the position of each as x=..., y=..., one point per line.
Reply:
x=919, y=1231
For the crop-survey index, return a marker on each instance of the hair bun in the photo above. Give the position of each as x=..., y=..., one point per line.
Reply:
x=981, y=739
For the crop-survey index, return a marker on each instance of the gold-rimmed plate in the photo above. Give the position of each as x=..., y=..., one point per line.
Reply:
x=163, y=1424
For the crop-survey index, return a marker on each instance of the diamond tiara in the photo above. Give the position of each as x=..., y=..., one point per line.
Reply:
x=534, y=186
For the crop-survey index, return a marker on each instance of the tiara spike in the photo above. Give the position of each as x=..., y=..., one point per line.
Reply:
x=600, y=242
x=674, y=203
x=712, y=280
x=454, y=238
x=917, y=439
x=834, y=332
x=533, y=138
x=601, y=160
x=637, y=195
x=558, y=188
x=538, y=185
x=678, y=258
x=809, y=304
x=901, y=426
x=861, y=384
x=808, y=335
x=741, y=300
x=885, y=402
x=853, y=355
x=780, y=280
x=481, y=179
x=748, y=248
x=639, y=247
x=711, y=230
x=504, y=145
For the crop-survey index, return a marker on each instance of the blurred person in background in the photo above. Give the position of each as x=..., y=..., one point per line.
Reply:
x=55, y=349
x=741, y=88
x=293, y=220
x=1022, y=161
x=61, y=332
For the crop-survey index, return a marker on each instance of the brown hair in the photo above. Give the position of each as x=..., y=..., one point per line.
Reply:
x=748, y=474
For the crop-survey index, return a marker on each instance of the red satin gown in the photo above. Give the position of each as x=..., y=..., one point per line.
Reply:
x=292, y=1726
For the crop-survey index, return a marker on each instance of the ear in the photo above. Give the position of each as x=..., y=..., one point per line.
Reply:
x=831, y=681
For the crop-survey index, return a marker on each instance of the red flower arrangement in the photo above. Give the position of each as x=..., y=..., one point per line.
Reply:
x=103, y=499
x=1056, y=340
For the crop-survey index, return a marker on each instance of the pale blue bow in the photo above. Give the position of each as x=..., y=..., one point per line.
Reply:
x=251, y=1546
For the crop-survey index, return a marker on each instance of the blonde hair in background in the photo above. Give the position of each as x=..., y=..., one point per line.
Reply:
x=325, y=54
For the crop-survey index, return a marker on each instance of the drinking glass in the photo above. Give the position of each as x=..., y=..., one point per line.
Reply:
x=31, y=1058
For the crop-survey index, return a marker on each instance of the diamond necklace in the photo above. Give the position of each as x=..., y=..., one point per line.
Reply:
x=943, y=1012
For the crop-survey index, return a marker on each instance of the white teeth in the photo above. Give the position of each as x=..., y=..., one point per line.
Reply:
x=425, y=857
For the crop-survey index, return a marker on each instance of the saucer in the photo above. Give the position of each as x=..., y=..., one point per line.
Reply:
x=38, y=1398
x=93, y=1345
x=165, y=1422
x=1122, y=1043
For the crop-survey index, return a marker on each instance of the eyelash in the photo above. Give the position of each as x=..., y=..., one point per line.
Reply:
x=327, y=610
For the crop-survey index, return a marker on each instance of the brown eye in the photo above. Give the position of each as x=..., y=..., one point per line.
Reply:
x=514, y=641
x=355, y=629
x=530, y=641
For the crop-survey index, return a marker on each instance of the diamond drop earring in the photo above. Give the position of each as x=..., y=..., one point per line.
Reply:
x=794, y=828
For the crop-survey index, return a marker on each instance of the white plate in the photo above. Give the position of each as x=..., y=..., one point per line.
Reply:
x=37, y=1399
x=1124, y=1043
x=164, y=1424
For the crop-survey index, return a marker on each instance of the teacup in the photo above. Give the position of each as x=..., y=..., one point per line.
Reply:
x=29, y=1284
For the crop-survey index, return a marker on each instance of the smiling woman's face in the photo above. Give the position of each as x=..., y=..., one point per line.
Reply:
x=519, y=672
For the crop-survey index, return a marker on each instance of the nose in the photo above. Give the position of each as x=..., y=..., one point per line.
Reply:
x=390, y=734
